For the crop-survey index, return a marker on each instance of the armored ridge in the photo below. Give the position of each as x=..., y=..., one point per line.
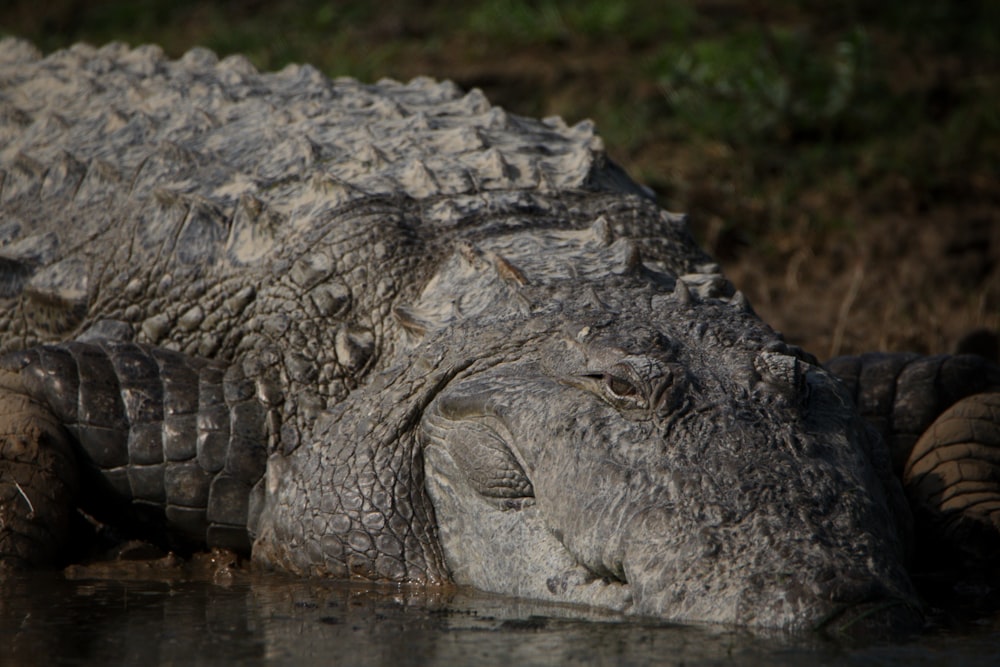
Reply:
x=389, y=331
x=190, y=199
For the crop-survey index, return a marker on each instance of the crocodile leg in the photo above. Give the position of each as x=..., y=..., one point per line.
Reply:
x=38, y=479
x=164, y=440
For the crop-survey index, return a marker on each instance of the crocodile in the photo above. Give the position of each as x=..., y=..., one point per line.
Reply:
x=392, y=332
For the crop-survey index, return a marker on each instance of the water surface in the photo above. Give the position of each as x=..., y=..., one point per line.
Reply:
x=49, y=618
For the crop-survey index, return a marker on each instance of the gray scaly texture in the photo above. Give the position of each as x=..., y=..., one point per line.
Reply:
x=391, y=331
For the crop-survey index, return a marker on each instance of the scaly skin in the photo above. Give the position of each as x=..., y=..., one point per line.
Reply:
x=939, y=417
x=902, y=394
x=468, y=347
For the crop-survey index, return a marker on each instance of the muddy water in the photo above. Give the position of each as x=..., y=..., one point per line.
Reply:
x=51, y=619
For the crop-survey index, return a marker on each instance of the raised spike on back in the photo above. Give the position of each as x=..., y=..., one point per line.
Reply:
x=253, y=230
x=682, y=294
x=205, y=229
x=417, y=181
x=627, y=256
x=101, y=182
x=58, y=297
x=217, y=175
x=21, y=179
x=17, y=51
x=601, y=231
x=740, y=302
x=63, y=178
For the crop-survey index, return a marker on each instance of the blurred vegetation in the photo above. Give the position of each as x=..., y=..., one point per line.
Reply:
x=760, y=117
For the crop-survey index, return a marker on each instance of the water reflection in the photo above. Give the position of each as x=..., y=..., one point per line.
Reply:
x=49, y=619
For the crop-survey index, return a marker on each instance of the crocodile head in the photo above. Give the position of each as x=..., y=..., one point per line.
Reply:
x=627, y=443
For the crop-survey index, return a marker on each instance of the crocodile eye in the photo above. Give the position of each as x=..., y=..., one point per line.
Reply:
x=620, y=387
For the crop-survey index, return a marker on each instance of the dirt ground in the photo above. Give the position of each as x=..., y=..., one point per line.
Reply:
x=926, y=283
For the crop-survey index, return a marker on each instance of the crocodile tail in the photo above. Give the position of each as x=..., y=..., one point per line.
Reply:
x=170, y=439
x=902, y=394
x=953, y=482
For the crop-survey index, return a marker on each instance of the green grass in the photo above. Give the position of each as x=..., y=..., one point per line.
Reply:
x=528, y=22
x=769, y=85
